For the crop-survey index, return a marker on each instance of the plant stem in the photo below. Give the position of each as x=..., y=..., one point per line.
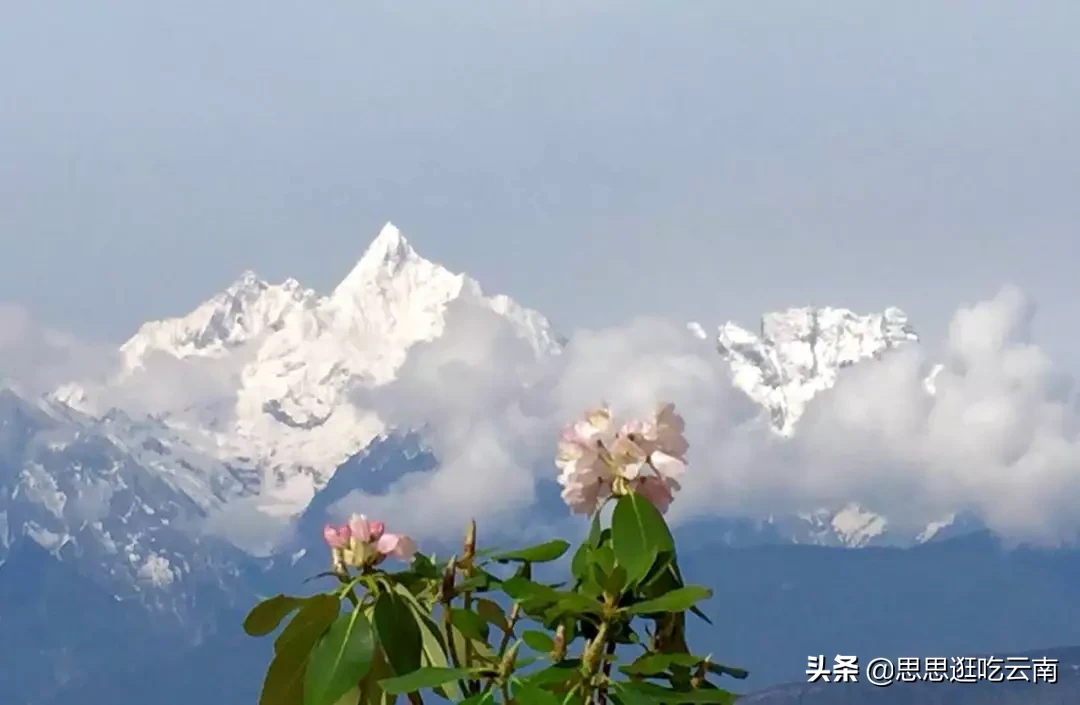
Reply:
x=601, y=696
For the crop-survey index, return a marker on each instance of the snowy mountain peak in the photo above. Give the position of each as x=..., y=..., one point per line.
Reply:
x=799, y=352
x=387, y=255
x=388, y=248
x=279, y=366
x=243, y=311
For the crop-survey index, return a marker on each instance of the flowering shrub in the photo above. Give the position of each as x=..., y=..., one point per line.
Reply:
x=477, y=629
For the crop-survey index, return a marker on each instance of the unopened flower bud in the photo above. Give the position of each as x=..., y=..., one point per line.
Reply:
x=338, y=561
x=594, y=650
x=507, y=665
x=447, y=590
x=470, y=540
x=699, y=675
x=558, y=651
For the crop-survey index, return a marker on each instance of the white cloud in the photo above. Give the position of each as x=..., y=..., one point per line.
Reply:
x=999, y=437
x=38, y=358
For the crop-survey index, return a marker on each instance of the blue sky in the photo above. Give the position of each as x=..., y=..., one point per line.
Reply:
x=697, y=159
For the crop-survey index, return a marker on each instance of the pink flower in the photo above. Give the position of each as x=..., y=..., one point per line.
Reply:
x=396, y=545
x=647, y=456
x=336, y=536
x=583, y=498
x=367, y=542
x=657, y=491
x=361, y=529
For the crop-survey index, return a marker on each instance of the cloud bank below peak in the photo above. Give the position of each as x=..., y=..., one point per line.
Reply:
x=998, y=437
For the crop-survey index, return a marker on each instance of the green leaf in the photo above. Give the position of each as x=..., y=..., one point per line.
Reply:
x=604, y=558
x=284, y=682
x=628, y=696
x=399, y=633
x=341, y=658
x=491, y=613
x=674, y=601
x=579, y=565
x=658, y=694
x=433, y=646
x=304, y=629
x=487, y=698
x=700, y=615
x=654, y=664
x=538, y=641
x=527, y=694
x=727, y=671
x=522, y=589
x=421, y=678
x=573, y=602
x=266, y=616
x=595, y=531
x=556, y=674
x=637, y=534
x=470, y=623
x=540, y=553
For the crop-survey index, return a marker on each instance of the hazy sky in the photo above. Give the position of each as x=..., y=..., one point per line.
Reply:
x=699, y=159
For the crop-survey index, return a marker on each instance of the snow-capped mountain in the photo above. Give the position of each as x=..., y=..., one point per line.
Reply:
x=265, y=407
x=800, y=352
x=282, y=363
x=797, y=354
x=128, y=514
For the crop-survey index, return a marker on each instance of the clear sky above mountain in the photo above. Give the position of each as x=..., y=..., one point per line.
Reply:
x=700, y=160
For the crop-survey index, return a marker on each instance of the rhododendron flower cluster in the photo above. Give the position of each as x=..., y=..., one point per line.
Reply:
x=598, y=459
x=362, y=543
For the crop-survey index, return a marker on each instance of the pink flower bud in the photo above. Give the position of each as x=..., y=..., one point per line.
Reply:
x=397, y=545
x=336, y=536
x=361, y=529
x=378, y=528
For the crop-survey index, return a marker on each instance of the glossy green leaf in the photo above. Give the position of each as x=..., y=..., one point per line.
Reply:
x=423, y=678
x=470, y=623
x=659, y=694
x=341, y=658
x=595, y=531
x=604, y=559
x=304, y=629
x=636, y=535
x=538, y=641
x=522, y=589
x=266, y=616
x=722, y=670
x=492, y=613
x=398, y=632
x=556, y=674
x=540, y=553
x=655, y=664
x=628, y=696
x=527, y=694
x=581, y=562
x=284, y=682
x=574, y=603
x=674, y=601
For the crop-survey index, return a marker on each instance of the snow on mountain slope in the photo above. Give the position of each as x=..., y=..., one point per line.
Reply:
x=80, y=489
x=245, y=310
x=799, y=352
x=292, y=361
